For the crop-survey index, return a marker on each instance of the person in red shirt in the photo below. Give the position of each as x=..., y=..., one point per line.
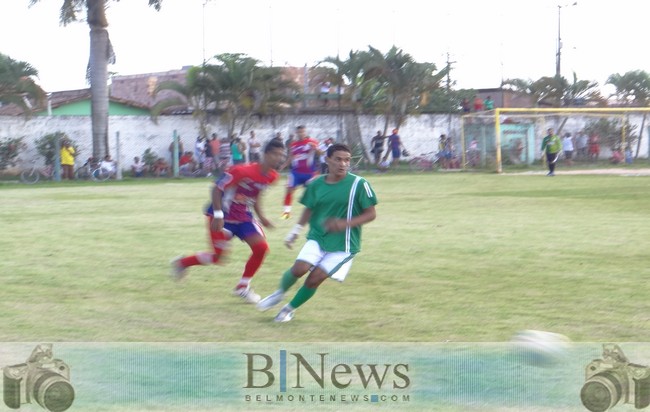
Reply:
x=478, y=104
x=302, y=153
x=186, y=163
x=229, y=214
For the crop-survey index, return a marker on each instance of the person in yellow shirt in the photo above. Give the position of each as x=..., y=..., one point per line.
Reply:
x=67, y=160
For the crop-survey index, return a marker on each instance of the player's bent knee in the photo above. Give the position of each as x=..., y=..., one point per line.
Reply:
x=299, y=268
x=261, y=248
x=315, y=278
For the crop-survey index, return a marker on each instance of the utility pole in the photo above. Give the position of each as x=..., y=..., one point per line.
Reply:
x=449, y=63
x=558, y=55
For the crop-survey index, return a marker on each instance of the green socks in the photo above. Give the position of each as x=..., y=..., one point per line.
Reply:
x=302, y=296
x=288, y=279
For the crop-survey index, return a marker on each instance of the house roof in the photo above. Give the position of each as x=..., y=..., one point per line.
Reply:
x=62, y=98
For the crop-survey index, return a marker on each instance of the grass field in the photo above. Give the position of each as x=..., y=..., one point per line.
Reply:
x=451, y=257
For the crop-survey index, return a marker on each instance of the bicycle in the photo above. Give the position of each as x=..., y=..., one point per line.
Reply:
x=101, y=174
x=33, y=174
x=85, y=172
x=424, y=162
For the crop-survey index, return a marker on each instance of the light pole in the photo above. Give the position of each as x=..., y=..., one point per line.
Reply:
x=558, y=55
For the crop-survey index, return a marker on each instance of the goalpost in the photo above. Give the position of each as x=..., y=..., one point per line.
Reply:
x=513, y=135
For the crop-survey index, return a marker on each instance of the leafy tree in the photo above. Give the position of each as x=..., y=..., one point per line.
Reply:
x=237, y=87
x=555, y=91
x=9, y=150
x=610, y=131
x=101, y=54
x=582, y=90
x=349, y=75
x=17, y=85
x=46, y=145
x=632, y=89
x=403, y=83
x=198, y=90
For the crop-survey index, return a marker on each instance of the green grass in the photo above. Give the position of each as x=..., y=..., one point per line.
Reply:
x=459, y=257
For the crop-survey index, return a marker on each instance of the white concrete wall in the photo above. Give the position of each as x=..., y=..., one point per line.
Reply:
x=137, y=133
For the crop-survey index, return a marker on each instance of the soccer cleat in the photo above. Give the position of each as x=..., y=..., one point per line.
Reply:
x=285, y=216
x=271, y=300
x=285, y=315
x=178, y=272
x=247, y=294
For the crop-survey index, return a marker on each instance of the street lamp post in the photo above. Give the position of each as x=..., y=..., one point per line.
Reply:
x=558, y=55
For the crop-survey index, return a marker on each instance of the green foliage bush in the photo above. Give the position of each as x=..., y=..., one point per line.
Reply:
x=149, y=157
x=46, y=145
x=9, y=150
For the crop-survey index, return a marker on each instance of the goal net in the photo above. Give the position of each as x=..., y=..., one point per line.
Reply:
x=512, y=137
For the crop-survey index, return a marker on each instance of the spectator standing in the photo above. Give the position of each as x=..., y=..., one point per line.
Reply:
x=322, y=148
x=215, y=144
x=377, y=144
x=237, y=148
x=324, y=92
x=488, y=103
x=396, y=146
x=465, y=106
x=582, y=142
x=444, y=151
x=594, y=147
x=478, y=104
x=199, y=151
x=289, y=140
x=171, y=149
x=67, y=154
x=567, y=148
x=254, y=146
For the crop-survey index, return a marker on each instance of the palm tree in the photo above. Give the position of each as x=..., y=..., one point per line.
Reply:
x=244, y=88
x=198, y=92
x=405, y=83
x=101, y=54
x=237, y=88
x=17, y=85
x=633, y=89
x=350, y=75
x=582, y=90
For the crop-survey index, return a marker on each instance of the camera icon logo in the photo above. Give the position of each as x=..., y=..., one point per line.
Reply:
x=613, y=380
x=42, y=379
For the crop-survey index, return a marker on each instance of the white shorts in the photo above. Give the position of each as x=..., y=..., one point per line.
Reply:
x=335, y=264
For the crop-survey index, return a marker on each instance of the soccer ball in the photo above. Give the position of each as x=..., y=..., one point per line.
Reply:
x=540, y=348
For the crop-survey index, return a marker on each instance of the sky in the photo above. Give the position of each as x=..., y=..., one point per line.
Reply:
x=486, y=40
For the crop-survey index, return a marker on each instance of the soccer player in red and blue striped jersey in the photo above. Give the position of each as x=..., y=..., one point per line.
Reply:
x=229, y=214
x=302, y=154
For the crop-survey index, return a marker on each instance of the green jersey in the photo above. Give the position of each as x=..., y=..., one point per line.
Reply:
x=341, y=200
x=551, y=144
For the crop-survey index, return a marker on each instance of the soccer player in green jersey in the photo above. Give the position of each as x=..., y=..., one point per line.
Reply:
x=336, y=205
x=551, y=145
